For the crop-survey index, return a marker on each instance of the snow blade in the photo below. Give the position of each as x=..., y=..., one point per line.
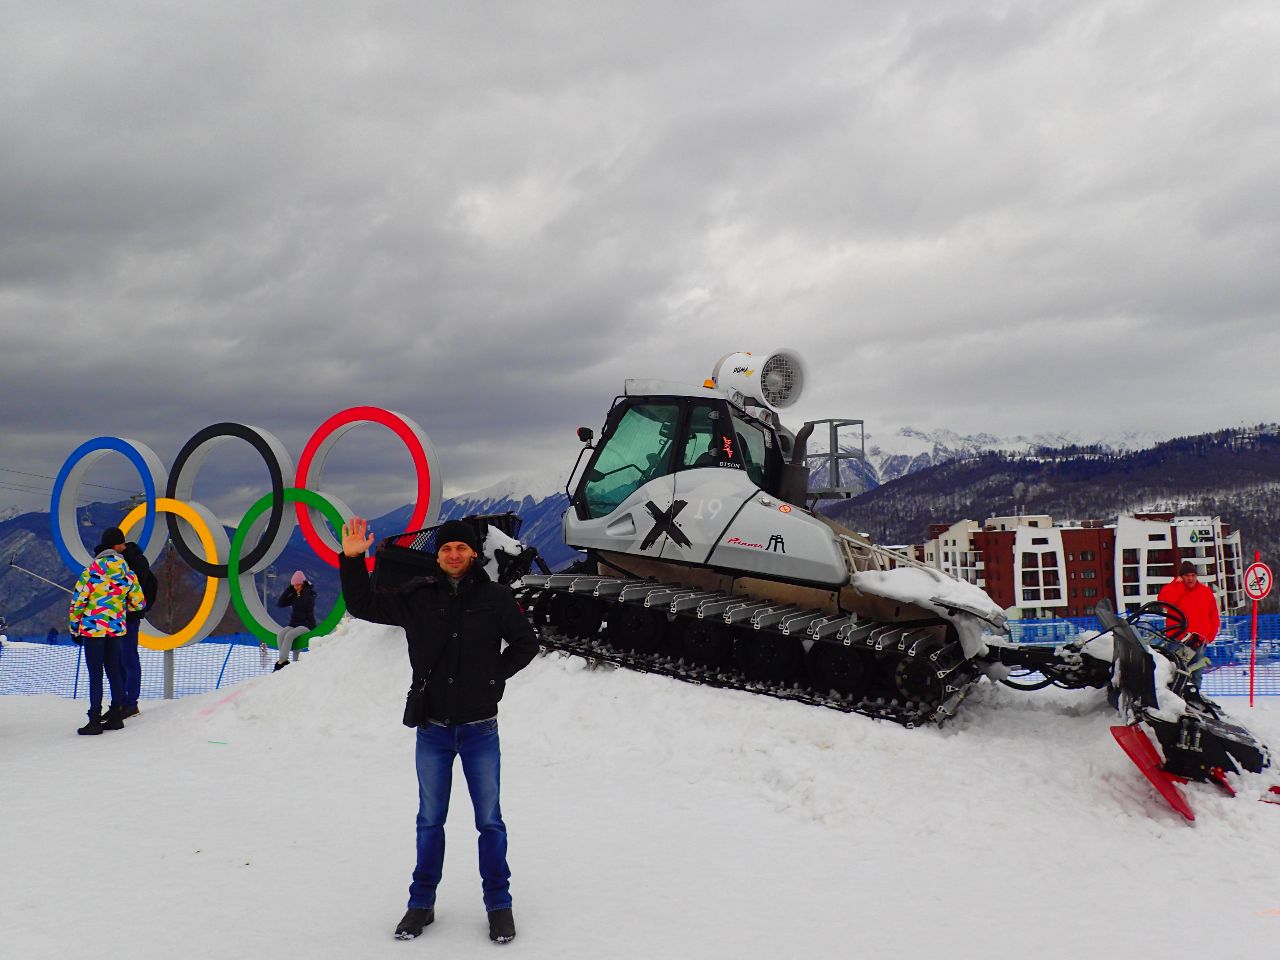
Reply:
x=1139, y=748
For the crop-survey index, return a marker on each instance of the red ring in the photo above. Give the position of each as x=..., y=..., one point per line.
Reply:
x=384, y=418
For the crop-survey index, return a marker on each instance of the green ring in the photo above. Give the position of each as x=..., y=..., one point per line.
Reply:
x=291, y=495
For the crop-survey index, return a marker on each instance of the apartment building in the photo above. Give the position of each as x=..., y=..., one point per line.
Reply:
x=1035, y=568
x=1151, y=547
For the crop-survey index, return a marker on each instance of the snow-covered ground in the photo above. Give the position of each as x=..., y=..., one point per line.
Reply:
x=648, y=819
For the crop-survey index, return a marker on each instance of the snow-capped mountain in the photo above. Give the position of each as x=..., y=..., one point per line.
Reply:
x=539, y=500
x=890, y=455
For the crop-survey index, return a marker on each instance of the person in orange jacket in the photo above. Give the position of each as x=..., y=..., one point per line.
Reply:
x=1197, y=603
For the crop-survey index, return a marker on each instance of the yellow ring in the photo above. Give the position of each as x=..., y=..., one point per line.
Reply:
x=168, y=505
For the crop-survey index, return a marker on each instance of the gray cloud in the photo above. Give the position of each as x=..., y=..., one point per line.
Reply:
x=1046, y=216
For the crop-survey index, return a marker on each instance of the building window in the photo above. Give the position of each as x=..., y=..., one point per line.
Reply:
x=1039, y=541
x=1053, y=594
x=1088, y=574
x=1087, y=555
x=1030, y=560
x=1131, y=590
x=1030, y=596
x=1031, y=578
x=1049, y=559
x=1157, y=536
x=1130, y=556
x=1051, y=578
x=1090, y=591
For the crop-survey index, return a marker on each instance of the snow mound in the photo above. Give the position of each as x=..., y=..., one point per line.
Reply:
x=647, y=817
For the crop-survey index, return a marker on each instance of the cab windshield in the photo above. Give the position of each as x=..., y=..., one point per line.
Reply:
x=637, y=450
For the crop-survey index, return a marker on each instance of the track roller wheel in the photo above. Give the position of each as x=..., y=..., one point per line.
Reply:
x=839, y=668
x=769, y=658
x=576, y=616
x=639, y=629
x=704, y=642
x=916, y=678
x=536, y=604
x=884, y=671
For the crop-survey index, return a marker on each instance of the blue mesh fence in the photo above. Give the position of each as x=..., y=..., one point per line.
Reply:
x=29, y=665
x=1228, y=672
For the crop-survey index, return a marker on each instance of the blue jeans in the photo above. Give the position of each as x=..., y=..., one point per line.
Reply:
x=103, y=653
x=477, y=745
x=130, y=665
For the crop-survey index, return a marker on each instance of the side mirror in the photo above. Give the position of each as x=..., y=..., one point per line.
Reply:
x=586, y=434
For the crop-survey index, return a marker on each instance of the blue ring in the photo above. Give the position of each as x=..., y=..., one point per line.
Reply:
x=79, y=453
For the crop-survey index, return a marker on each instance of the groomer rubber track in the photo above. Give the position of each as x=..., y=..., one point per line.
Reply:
x=910, y=673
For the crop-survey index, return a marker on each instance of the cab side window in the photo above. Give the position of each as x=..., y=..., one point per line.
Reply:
x=638, y=450
x=704, y=445
x=752, y=444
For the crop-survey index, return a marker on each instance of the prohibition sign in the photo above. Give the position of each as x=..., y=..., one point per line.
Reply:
x=1257, y=580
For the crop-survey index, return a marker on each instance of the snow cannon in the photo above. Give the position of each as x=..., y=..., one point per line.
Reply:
x=774, y=382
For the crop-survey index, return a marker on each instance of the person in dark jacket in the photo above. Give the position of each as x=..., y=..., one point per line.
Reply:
x=300, y=596
x=130, y=662
x=455, y=624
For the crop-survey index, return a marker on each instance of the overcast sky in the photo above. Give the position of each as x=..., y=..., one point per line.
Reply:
x=1003, y=217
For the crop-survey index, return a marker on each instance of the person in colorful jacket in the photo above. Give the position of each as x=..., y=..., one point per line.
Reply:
x=104, y=594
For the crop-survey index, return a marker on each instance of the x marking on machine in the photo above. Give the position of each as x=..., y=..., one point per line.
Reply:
x=664, y=521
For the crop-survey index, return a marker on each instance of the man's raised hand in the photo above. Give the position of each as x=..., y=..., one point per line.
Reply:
x=356, y=538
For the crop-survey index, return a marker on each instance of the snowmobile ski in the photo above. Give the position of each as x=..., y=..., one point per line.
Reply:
x=1139, y=748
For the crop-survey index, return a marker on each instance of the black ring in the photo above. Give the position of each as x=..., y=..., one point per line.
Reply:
x=255, y=440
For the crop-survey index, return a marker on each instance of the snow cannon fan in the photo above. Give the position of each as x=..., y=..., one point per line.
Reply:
x=774, y=381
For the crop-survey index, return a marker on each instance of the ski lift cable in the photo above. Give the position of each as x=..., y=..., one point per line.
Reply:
x=41, y=476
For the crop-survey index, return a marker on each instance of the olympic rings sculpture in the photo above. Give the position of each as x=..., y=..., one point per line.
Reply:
x=229, y=565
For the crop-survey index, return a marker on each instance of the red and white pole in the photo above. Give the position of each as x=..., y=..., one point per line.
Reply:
x=1253, y=637
x=1258, y=580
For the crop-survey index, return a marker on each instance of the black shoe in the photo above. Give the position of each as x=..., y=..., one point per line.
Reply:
x=502, y=926
x=92, y=728
x=279, y=666
x=131, y=711
x=413, y=922
x=113, y=719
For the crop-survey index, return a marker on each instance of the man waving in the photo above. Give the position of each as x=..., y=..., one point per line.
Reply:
x=455, y=624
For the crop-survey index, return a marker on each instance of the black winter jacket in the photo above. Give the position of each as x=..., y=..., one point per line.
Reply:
x=141, y=568
x=455, y=639
x=303, y=603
